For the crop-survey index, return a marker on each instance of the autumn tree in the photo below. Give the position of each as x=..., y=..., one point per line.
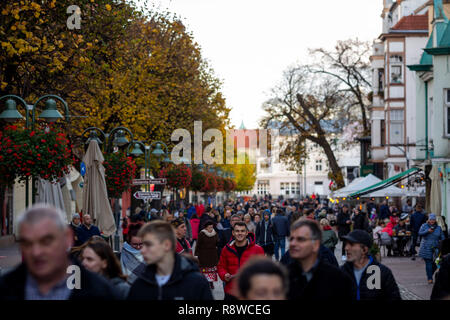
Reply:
x=124, y=66
x=312, y=107
x=349, y=64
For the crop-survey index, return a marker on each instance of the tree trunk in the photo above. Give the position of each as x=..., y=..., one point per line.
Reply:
x=334, y=166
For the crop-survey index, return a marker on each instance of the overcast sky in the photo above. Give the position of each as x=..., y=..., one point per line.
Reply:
x=250, y=42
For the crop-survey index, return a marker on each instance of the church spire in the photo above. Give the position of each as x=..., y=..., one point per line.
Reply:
x=242, y=127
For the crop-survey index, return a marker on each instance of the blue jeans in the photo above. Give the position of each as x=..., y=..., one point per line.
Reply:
x=430, y=268
x=280, y=242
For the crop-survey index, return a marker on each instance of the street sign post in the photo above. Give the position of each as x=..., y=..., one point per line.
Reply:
x=138, y=182
x=145, y=195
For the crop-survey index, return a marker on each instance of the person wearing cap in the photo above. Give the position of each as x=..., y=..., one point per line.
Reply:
x=400, y=231
x=431, y=234
x=183, y=245
x=75, y=225
x=357, y=246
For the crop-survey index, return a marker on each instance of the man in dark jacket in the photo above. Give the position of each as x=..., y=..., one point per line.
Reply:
x=47, y=273
x=281, y=230
x=343, y=225
x=88, y=229
x=167, y=276
x=384, y=211
x=371, y=279
x=310, y=278
x=418, y=218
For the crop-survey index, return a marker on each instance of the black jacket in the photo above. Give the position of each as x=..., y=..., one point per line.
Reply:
x=388, y=286
x=359, y=221
x=280, y=225
x=441, y=288
x=185, y=283
x=328, y=283
x=343, y=227
x=325, y=255
x=261, y=238
x=93, y=286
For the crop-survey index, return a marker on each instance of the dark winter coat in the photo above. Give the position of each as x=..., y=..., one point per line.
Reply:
x=185, y=283
x=225, y=236
x=93, y=286
x=384, y=212
x=261, y=237
x=85, y=234
x=441, y=288
x=280, y=225
x=327, y=284
x=417, y=220
x=359, y=221
x=206, y=250
x=388, y=289
x=76, y=235
x=230, y=262
x=343, y=227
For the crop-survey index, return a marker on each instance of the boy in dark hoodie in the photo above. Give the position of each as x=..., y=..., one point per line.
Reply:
x=167, y=275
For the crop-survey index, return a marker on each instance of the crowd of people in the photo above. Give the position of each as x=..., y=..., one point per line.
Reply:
x=181, y=253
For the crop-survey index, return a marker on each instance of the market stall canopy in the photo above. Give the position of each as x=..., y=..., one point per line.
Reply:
x=386, y=184
x=357, y=184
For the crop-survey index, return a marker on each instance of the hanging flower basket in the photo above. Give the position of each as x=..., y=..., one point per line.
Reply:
x=41, y=153
x=229, y=185
x=120, y=171
x=199, y=179
x=178, y=176
x=220, y=184
x=210, y=183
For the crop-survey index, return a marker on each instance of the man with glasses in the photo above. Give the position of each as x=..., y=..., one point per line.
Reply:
x=310, y=277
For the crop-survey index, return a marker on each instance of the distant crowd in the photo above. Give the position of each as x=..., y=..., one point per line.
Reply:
x=261, y=249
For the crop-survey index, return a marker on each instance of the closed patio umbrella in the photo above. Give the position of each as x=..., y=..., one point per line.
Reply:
x=95, y=194
x=435, y=195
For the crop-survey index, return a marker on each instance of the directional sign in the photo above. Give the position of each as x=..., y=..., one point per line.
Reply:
x=144, y=195
x=138, y=182
x=82, y=169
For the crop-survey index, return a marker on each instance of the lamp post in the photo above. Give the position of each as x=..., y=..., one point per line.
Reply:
x=158, y=153
x=115, y=138
x=50, y=114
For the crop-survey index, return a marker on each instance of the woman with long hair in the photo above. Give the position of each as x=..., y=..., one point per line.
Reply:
x=97, y=256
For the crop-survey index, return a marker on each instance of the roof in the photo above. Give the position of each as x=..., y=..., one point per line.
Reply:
x=412, y=22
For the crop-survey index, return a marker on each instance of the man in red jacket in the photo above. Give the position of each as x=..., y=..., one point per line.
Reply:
x=235, y=254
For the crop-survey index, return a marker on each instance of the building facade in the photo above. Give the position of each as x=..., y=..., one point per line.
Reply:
x=392, y=113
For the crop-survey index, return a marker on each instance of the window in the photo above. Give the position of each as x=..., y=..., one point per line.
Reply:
x=380, y=80
x=396, y=66
x=447, y=111
x=396, y=127
x=383, y=132
x=319, y=165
